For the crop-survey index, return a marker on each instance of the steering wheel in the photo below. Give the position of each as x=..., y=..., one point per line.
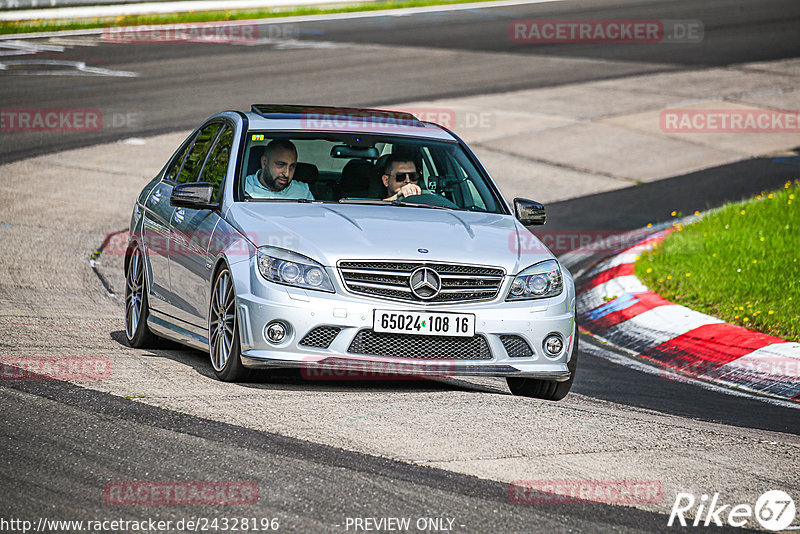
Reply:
x=431, y=199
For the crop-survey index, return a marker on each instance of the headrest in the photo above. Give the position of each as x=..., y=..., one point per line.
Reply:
x=380, y=163
x=306, y=172
x=254, y=159
x=356, y=177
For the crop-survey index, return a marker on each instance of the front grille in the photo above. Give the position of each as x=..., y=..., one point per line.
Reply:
x=390, y=279
x=516, y=347
x=320, y=337
x=373, y=343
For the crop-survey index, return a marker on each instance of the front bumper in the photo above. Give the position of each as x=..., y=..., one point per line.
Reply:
x=262, y=302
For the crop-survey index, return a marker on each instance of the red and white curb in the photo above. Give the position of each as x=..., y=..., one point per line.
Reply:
x=616, y=306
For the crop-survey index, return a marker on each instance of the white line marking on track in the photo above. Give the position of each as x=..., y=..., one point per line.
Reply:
x=16, y=53
x=80, y=68
x=33, y=47
x=290, y=44
x=74, y=41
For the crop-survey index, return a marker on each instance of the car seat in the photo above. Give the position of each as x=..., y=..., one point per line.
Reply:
x=357, y=179
x=309, y=174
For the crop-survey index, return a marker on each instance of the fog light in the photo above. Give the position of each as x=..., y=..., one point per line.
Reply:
x=553, y=345
x=275, y=332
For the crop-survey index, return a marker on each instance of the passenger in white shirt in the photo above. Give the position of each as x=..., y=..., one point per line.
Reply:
x=275, y=179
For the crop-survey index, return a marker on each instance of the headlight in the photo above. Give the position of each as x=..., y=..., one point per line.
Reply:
x=537, y=282
x=292, y=269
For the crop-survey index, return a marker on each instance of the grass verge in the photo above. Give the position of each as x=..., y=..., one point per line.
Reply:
x=741, y=264
x=45, y=25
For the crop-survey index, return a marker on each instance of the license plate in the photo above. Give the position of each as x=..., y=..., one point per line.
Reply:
x=428, y=324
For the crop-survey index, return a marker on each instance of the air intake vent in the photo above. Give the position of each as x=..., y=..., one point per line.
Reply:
x=373, y=343
x=516, y=346
x=320, y=337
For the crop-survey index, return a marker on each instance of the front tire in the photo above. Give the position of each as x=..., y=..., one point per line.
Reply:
x=137, y=309
x=224, y=348
x=546, y=389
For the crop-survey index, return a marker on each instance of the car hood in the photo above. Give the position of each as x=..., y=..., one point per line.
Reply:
x=328, y=233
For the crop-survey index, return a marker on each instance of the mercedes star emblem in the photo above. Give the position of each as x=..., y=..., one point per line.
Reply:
x=425, y=283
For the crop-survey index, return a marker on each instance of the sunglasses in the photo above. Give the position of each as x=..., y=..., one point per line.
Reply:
x=401, y=176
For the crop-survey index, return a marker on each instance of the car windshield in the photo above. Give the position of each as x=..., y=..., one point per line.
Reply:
x=354, y=168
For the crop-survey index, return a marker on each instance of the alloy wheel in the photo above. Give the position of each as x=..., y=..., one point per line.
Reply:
x=134, y=290
x=222, y=321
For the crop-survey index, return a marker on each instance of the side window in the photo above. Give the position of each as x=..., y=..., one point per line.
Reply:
x=197, y=155
x=216, y=166
x=175, y=167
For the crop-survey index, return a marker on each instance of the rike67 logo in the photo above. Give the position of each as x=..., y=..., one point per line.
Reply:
x=774, y=510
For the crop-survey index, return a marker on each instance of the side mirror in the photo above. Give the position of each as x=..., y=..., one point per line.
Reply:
x=529, y=212
x=194, y=195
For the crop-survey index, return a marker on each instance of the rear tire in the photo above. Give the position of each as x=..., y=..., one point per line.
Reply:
x=137, y=310
x=546, y=389
x=224, y=348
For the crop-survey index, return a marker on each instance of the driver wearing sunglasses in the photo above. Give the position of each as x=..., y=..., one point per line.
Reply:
x=401, y=178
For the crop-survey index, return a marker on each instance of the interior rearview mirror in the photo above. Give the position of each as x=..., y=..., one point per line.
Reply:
x=529, y=212
x=344, y=151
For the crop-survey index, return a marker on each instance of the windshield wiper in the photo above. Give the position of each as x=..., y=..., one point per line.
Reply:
x=373, y=201
x=419, y=205
x=303, y=200
x=376, y=202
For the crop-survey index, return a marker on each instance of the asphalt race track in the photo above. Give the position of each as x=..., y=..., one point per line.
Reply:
x=445, y=54
x=320, y=453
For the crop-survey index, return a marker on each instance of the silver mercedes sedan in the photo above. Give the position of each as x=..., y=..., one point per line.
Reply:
x=353, y=242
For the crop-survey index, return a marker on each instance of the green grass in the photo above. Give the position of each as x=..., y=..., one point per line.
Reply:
x=741, y=264
x=44, y=25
